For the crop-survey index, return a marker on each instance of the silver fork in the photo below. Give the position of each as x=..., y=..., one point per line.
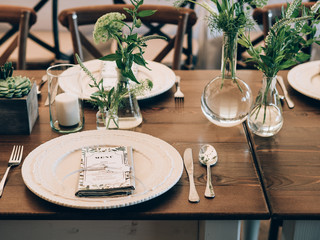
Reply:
x=178, y=95
x=15, y=160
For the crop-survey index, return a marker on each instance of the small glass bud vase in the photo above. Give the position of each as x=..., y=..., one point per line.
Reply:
x=107, y=119
x=101, y=117
x=265, y=118
x=112, y=119
x=226, y=100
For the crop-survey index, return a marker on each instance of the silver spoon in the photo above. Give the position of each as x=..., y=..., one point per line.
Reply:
x=208, y=156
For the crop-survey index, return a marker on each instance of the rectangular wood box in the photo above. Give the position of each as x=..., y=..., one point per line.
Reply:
x=18, y=115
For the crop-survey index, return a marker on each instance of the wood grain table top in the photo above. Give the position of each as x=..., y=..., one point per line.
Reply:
x=289, y=162
x=239, y=194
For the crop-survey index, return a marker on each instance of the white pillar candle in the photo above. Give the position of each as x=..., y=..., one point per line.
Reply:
x=67, y=107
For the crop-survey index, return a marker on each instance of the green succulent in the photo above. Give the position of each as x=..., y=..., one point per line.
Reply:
x=10, y=87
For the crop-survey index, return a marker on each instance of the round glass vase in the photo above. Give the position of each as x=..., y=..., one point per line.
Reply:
x=226, y=100
x=265, y=118
x=127, y=109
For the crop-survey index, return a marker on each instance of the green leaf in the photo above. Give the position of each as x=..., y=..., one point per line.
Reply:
x=146, y=13
x=243, y=43
x=111, y=57
x=130, y=75
x=302, y=57
x=138, y=59
x=287, y=64
x=133, y=37
x=267, y=60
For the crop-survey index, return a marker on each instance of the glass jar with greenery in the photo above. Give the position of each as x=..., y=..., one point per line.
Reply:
x=226, y=100
x=130, y=50
x=283, y=49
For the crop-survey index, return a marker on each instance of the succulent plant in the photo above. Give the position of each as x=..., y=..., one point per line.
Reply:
x=10, y=87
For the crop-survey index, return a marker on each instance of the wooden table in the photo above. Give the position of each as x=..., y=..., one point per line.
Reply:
x=239, y=195
x=289, y=164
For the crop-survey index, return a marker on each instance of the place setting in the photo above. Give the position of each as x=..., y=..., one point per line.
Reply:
x=102, y=169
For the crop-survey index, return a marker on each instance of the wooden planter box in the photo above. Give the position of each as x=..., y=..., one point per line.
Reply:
x=18, y=115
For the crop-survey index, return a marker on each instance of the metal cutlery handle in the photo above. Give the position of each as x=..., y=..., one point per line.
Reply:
x=285, y=92
x=3, y=181
x=188, y=162
x=193, y=194
x=209, y=188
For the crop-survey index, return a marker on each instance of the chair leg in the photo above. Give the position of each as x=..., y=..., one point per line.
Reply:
x=274, y=229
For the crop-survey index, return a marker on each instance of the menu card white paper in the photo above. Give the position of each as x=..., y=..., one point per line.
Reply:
x=106, y=171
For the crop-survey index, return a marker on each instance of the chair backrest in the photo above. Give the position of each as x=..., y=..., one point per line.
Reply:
x=21, y=18
x=182, y=18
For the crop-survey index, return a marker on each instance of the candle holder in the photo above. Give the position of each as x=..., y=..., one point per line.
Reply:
x=66, y=108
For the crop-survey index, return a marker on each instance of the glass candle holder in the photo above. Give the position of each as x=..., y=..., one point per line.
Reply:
x=65, y=108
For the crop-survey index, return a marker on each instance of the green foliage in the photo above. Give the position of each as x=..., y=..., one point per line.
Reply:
x=13, y=87
x=232, y=16
x=130, y=46
x=6, y=70
x=285, y=40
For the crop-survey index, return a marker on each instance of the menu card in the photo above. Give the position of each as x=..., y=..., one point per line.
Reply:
x=106, y=171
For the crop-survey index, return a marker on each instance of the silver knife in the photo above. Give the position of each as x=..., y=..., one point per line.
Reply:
x=188, y=163
x=285, y=92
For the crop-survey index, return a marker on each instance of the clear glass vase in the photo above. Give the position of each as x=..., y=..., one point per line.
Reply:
x=107, y=119
x=101, y=118
x=127, y=109
x=265, y=118
x=226, y=100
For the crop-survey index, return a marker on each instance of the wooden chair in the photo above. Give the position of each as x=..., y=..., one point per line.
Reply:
x=182, y=18
x=24, y=18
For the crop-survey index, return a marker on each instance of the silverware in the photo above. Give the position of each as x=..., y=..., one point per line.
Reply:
x=208, y=156
x=43, y=81
x=285, y=92
x=188, y=163
x=178, y=95
x=14, y=160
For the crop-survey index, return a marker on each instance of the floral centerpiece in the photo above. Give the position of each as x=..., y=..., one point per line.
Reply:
x=130, y=51
x=283, y=49
x=226, y=100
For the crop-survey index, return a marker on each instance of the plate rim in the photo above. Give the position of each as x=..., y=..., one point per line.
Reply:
x=292, y=80
x=34, y=187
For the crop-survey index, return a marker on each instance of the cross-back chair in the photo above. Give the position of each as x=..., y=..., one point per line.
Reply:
x=183, y=18
x=24, y=18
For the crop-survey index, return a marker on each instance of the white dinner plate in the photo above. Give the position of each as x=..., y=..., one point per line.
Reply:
x=305, y=78
x=51, y=170
x=162, y=77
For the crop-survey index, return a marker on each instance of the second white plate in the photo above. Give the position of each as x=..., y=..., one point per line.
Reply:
x=162, y=77
x=305, y=78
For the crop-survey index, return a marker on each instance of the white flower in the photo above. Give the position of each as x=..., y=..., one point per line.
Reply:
x=108, y=25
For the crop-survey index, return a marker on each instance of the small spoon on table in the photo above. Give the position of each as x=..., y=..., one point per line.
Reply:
x=208, y=156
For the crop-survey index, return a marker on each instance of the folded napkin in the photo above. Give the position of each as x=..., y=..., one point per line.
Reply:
x=106, y=171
